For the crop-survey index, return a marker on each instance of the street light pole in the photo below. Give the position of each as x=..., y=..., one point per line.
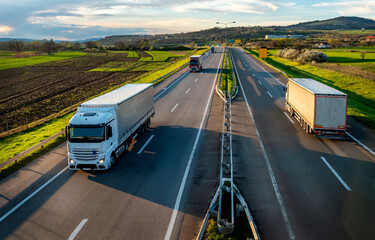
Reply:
x=226, y=34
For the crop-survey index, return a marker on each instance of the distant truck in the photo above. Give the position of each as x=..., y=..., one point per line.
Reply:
x=195, y=63
x=212, y=49
x=102, y=128
x=320, y=109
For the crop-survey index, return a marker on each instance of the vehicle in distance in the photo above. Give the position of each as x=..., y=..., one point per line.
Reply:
x=212, y=49
x=320, y=109
x=195, y=63
x=102, y=128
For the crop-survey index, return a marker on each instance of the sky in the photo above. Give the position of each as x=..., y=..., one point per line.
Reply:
x=85, y=19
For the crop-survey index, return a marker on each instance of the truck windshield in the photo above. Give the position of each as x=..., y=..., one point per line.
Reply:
x=194, y=62
x=86, y=134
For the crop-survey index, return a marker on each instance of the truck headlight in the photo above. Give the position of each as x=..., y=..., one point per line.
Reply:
x=101, y=161
x=71, y=161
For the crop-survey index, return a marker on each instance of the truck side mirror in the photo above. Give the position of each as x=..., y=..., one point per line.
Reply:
x=66, y=132
x=109, y=131
x=284, y=89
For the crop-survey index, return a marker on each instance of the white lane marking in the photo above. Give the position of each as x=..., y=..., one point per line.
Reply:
x=253, y=74
x=175, y=81
x=269, y=94
x=363, y=145
x=270, y=171
x=148, y=141
x=174, y=107
x=336, y=174
x=78, y=228
x=187, y=91
x=201, y=73
x=265, y=71
x=260, y=82
x=196, y=79
x=182, y=186
x=288, y=117
x=250, y=70
x=32, y=195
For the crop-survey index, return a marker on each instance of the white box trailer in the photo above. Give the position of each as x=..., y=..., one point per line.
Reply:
x=103, y=127
x=320, y=109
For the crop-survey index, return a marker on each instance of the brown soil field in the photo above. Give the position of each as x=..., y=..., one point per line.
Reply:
x=37, y=91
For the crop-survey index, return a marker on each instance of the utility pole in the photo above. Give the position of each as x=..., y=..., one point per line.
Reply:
x=226, y=35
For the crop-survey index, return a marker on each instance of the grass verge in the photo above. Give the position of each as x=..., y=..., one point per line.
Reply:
x=227, y=74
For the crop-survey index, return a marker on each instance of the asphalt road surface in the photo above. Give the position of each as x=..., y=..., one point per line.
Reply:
x=297, y=185
x=140, y=197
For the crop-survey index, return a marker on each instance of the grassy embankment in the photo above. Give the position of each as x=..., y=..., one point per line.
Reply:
x=6, y=63
x=360, y=90
x=227, y=75
x=21, y=141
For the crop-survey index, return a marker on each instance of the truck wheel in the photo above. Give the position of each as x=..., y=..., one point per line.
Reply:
x=126, y=145
x=307, y=129
x=112, y=160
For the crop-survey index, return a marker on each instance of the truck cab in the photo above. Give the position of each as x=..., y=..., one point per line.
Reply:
x=195, y=63
x=91, y=139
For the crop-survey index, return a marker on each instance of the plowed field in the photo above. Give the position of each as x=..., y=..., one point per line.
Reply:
x=35, y=92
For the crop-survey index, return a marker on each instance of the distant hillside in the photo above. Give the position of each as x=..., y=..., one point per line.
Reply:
x=339, y=23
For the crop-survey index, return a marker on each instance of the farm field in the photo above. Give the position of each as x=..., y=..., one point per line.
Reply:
x=6, y=62
x=349, y=76
x=34, y=92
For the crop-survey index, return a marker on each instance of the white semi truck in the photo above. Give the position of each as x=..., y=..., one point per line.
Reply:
x=320, y=109
x=102, y=128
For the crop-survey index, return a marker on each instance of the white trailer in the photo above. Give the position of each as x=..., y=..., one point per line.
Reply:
x=320, y=109
x=102, y=128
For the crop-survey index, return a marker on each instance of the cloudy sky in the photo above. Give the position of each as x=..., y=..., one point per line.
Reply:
x=83, y=19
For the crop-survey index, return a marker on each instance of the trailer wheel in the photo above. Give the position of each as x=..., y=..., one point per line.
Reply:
x=307, y=128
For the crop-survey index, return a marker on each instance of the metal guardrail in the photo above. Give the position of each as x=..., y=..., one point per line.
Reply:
x=22, y=154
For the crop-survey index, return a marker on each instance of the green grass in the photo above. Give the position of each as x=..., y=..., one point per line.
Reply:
x=337, y=56
x=6, y=53
x=19, y=142
x=132, y=54
x=145, y=59
x=6, y=62
x=361, y=91
x=227, y=74
x=161, y=56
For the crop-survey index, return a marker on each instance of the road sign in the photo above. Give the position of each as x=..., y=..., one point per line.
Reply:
x=231, y=41
x=263, y=52
x=238, y=41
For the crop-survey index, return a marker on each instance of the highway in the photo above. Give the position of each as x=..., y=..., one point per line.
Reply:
x=297, y=185
x=142, y=196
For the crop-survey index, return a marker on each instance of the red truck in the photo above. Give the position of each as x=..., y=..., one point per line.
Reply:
x=195, y=63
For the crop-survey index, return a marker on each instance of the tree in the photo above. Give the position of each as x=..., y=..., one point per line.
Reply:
x=92, y=44
x=49, y=46
x=76, y=46
x=333, y=43
x=191, y=45
x=363, y=55
x=121, y=45
x=143, y=44
x=16, y=45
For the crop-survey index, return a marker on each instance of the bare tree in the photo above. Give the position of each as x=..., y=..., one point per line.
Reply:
x=49, y=46
x=16, y=45
x=92, y=44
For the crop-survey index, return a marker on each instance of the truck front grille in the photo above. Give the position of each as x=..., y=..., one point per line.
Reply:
x=82, y=154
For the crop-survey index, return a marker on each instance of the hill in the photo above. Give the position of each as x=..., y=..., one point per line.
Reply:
x=339, y=23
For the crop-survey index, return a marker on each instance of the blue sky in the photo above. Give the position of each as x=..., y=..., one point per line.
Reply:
x=83, y=19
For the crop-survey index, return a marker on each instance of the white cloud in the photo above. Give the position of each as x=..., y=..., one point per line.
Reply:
x=225, y=6
x=5, y=29
x=350, y=7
